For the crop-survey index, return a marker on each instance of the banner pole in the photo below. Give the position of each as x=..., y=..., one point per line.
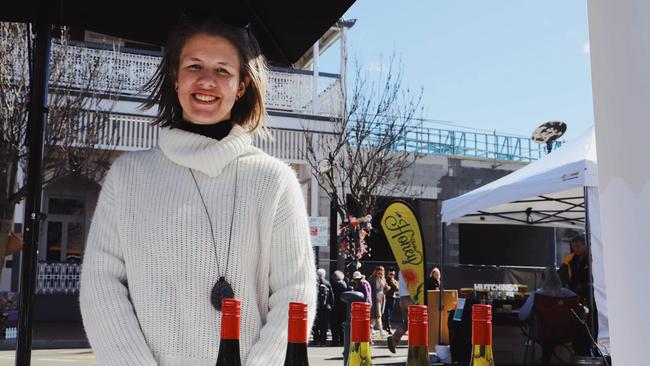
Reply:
x=442, y=270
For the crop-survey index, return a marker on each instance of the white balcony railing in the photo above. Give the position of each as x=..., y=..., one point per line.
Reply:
x=125, y=73
x=131, y=133
x=57, y=278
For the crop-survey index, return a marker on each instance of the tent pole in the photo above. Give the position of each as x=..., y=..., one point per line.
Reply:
x=555, y=247
x=442, y=271
x=35, y=139
x=590, y=285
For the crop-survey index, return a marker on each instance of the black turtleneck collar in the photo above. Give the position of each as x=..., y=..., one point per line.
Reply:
x=216, y=131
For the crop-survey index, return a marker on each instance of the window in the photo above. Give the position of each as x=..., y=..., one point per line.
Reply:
x=65, y=229
x=66, y=206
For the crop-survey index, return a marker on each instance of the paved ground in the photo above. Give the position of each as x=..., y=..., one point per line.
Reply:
x=65, y=344
x=318, y=356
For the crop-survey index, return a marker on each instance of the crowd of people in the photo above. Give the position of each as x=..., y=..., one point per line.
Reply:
x=385, y=290
x=382, y=290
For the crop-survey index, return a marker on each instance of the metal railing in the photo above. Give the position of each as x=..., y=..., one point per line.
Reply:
x=56, y=278
x=124, y=73
x=129, y=133
x=489, y=146
x=468, y=144
x=132, y=133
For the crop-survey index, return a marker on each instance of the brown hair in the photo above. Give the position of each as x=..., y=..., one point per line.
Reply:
x=377, y=269
x=578, y=239
x=248, y=111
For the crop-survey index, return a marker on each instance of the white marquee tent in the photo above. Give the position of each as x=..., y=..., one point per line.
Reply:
x=556, y=191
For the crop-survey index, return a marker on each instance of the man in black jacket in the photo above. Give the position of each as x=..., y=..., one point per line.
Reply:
x=324, y=307
x=575, y=273
x=339, y=309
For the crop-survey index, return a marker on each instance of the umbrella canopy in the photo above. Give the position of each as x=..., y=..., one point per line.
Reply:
x=285, y=29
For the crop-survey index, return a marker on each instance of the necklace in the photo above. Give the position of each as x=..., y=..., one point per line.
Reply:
x=222, y=289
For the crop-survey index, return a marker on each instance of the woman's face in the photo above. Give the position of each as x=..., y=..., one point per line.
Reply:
x=208, y=82
x=380, y=273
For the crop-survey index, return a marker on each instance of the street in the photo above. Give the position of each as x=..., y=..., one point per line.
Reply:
x=318, y=356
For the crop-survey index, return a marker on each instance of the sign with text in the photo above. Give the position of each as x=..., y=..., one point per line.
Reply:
x=319, y=231
x=402, y=231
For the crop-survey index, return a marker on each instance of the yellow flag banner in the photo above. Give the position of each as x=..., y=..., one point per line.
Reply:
x=402, y=230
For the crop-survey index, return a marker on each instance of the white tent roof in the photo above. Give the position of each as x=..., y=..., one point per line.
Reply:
x=547, y=192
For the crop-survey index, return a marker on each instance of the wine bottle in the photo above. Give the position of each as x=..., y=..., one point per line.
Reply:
x=360, y=337
x=297, y=339
x=229, y=343
x=418, y=354
x=482, y=354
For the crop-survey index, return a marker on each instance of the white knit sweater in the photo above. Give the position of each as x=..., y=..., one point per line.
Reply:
x=149, y=265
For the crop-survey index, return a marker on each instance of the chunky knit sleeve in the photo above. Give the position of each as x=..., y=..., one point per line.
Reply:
x=108, y=315
x=292, y=274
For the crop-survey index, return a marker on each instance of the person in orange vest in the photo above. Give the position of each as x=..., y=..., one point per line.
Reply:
x=575, y=273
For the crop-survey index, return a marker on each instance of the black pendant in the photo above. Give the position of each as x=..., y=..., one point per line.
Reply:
x=221, y=290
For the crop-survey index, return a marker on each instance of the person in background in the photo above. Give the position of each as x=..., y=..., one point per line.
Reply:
x=360, y=284
x=575, y=273
x=404, y=302
x=339, y=286
x=391, y=294
x=552, y=286
x=434, y=281
x=377, y=285
x=325, y=302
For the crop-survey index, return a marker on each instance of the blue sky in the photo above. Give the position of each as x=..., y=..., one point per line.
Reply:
x=505, y=65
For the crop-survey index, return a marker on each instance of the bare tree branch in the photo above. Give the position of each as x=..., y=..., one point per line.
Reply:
x=366, y=154
x=78, y=117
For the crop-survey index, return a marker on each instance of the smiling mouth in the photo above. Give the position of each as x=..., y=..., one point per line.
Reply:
x=204, y=98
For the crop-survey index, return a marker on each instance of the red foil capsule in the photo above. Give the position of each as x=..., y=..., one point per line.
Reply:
x=482, y=324
x=230, y=318
x=418, y=325
x=297, y=322
x=360, y=317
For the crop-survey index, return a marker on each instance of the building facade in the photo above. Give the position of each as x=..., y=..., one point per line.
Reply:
x=299, y=100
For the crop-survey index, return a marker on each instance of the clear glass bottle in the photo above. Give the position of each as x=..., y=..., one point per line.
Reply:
x=482, y=354
x=360, y=335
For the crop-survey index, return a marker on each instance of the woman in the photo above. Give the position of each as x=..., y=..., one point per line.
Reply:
x=377, y=285
x=391, y=294
x=360, y=284
x=552, y=287
x=203, y=216
x=434, y=279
